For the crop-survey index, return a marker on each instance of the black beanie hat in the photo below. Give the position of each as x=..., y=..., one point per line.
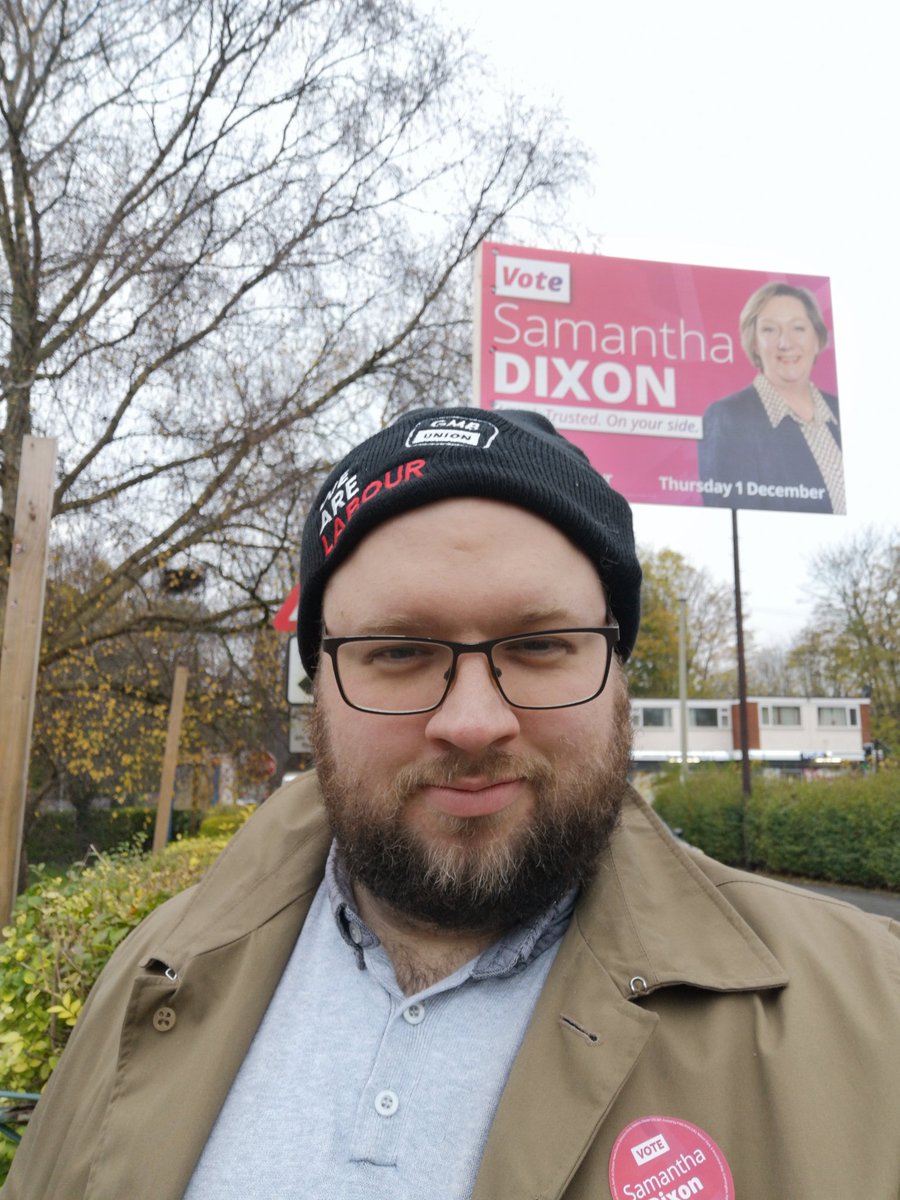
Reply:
x=432, y=454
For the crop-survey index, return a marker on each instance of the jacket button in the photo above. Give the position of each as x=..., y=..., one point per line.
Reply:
x=164, y=1019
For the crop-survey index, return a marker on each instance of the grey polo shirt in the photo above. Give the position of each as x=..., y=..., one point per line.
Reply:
x=353, y=1091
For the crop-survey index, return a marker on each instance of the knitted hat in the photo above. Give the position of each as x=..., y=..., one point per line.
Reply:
x=433, y=454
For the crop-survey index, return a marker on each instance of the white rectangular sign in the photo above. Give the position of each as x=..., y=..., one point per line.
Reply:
x=298, y=686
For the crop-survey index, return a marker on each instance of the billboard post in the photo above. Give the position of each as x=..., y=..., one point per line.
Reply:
x=742, y=685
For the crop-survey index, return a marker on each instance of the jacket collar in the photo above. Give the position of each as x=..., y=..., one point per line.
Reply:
x=654, y=919
x=276, y=860
x=651, y=916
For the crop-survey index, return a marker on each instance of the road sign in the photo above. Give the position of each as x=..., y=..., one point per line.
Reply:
x=285, y=620
x=298, y=685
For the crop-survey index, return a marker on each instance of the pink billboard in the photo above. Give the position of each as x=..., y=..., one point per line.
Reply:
x=683, y=384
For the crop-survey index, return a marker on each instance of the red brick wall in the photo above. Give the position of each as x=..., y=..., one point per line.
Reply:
x=752, y=725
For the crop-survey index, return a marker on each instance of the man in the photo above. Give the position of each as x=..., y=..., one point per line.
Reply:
x=484, y=969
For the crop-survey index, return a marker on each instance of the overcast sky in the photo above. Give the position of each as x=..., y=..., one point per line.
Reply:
x=762, y=136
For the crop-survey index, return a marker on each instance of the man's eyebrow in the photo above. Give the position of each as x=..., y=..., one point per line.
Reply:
x=387, y=626
x=527, y=620
x=549, y=618
x=399, y=625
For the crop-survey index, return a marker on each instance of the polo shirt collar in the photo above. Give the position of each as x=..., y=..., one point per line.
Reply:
x=512, y=952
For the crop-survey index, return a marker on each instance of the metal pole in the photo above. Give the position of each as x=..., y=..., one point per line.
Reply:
x=682, y=681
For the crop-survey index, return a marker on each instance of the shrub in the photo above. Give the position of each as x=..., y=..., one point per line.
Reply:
x=7, y=1150
x=58, y=838
x=706, y=808
x=223, y=822
x=846, y=830
x=64, y=928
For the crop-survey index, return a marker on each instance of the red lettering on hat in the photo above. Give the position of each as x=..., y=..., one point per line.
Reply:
x=664, y=1158
x=404, y=473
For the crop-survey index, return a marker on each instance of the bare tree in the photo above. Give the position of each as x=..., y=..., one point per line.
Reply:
x=770, y=673
x=231, y=231
x=852, y=644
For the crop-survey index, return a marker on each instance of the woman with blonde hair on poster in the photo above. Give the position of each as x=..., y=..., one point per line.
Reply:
x=777, y=442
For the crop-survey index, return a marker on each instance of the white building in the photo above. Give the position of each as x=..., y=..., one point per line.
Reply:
x=782, y=731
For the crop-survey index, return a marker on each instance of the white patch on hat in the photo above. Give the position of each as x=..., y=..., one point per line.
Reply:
x=452, y=431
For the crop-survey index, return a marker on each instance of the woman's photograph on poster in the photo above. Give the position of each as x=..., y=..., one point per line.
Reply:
x=776, y=444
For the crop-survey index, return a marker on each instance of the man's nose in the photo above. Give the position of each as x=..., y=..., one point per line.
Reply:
x=474, y=714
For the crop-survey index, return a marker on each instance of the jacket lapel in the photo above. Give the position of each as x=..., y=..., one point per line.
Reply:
x=582, y=1044
x=650, y=919
x=215, y=971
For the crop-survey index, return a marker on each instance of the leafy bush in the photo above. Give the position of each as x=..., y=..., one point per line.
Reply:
x=6, y=1153
x=59, y=838
x=223, y=822
x=846, y=830
x=706, y=809
x=64, y=928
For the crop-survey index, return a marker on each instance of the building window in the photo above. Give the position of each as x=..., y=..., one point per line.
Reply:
x=781, y=714
x=704, y=718
x=836, y=716
x=654, y=718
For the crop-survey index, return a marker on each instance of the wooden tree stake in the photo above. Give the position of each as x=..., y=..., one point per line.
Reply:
x=21, y=650
x=170, y=760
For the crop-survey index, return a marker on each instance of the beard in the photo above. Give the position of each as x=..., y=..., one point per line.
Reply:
x=481, y=874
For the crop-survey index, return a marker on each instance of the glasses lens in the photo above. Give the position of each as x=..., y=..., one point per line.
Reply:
x=549, y=670
x=393, y=675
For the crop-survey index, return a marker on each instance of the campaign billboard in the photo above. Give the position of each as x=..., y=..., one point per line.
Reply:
x=683, y=384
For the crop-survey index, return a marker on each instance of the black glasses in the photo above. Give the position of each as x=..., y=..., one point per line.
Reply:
x=552, y=668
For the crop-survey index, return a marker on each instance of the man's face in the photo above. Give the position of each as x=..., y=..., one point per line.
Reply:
x=478, y=814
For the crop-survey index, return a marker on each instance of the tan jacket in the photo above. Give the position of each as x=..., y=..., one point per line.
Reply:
x=766, y=1016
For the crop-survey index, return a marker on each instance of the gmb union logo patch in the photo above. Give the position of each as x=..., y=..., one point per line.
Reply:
x=452, y=431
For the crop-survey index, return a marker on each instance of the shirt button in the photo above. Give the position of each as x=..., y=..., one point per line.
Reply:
x=164, y=1019
x=387, y=1103
x=355, y=935
x=414, y=1014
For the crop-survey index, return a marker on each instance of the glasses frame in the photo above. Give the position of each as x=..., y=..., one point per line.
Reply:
x=331, y=646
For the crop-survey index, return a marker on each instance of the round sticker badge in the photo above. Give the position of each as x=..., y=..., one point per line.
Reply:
x=663, y=1158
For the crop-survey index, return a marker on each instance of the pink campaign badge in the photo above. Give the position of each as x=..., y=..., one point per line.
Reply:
x=662, y=1158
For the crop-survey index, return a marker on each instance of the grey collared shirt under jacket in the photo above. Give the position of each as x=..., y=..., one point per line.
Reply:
x=352, y=1090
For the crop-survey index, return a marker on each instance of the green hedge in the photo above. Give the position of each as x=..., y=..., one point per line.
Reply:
x=846, y=830
x=58, y=839
x=223, y=822
x=64, y=928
